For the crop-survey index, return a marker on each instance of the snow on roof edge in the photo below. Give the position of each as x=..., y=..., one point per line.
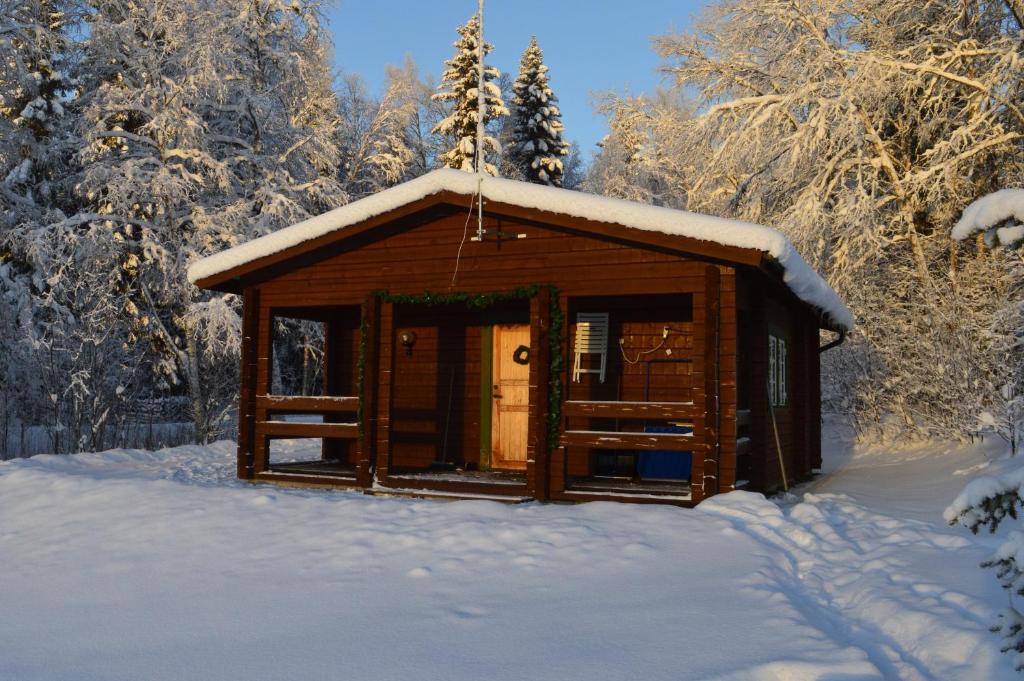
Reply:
x=797, y=274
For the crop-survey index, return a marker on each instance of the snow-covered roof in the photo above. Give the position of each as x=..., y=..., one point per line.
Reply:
x=797, y=274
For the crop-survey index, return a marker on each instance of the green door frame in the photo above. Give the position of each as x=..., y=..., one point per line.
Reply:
x=486, y=403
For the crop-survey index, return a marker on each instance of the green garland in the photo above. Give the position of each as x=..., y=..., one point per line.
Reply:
x=364, y=327
x=471, y=300
x=557, y=363
x=480, y=301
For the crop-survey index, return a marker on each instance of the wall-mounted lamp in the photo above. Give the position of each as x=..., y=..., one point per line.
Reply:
x=408, y=339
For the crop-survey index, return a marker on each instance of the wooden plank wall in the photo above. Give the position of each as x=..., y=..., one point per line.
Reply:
x=709, y=483
x=813, y=362
x=264, y=343
x=771, y=309
x=341, y=352
x=424, y=259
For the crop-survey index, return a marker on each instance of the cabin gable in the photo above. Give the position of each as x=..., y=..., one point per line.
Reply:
x=449, y=205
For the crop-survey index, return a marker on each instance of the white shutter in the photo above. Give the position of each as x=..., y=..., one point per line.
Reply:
x=772, y=395
x=781, y=381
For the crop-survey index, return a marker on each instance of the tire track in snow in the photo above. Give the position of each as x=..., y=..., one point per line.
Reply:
x=861, y=579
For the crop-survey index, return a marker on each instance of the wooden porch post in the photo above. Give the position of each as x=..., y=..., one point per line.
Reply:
x=537, y=452
x=558, y=457
x=247, y=382
x=384, y=379
x=712, y=339
x=368, y=422
x=264, y=379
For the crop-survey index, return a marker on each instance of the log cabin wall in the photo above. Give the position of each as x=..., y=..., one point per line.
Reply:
x=413, y=255
x=766, y=310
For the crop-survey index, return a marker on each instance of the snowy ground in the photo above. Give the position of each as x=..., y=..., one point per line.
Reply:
x=142, y=565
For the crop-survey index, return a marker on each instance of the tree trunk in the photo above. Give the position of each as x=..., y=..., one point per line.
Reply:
x=200, y=418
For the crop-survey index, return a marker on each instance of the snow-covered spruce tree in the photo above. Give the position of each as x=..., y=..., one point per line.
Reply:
x=458, y=88
x=191, y=146
x=986, y=502
x=861, y=129
x=537, y=146
x=35, y=55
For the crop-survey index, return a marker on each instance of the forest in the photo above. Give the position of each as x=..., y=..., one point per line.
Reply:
x=862, y=129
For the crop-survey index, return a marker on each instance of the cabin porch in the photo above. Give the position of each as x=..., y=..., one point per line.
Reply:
x=434, y=394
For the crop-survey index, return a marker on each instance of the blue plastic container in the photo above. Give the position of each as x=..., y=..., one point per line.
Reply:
x=661, y=464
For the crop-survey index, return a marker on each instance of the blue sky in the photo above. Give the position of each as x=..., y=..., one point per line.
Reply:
x=589, y=46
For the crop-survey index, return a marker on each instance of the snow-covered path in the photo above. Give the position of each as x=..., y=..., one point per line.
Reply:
x=143, y=565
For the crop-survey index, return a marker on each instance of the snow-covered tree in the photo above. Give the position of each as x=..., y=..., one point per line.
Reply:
x=573, y=168
x=376, y=149
x=275, y=116
x=861, y=129
x=994, y=219
x=986, y=502
x=194, y=145
x=537, y=146
x=420, y=136
x=640, y=157
x=35, y=54
x=459, y=90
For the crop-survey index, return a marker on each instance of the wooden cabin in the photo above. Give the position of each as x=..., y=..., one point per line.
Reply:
x=481, y=337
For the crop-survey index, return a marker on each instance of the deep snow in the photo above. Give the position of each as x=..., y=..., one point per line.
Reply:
x=159, y=565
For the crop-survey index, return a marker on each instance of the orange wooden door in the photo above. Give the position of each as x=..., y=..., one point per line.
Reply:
x=510, y=398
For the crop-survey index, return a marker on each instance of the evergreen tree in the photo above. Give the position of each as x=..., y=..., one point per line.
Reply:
x=459, y=87
x=34, y=58
x=537, y=144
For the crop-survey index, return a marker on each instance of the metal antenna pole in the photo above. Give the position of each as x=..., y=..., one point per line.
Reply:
x=479, y=146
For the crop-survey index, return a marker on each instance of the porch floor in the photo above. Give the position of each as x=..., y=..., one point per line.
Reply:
x=627, y=486
x=339, y=469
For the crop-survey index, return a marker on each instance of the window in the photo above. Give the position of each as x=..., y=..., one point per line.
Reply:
x=777, y=371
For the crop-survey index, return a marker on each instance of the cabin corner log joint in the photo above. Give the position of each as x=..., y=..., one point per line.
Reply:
x=385, y=352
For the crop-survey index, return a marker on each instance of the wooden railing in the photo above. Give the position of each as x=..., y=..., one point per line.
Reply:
x=311, y=405
x=666, y=411
x=685, y=412
x=268, y=405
